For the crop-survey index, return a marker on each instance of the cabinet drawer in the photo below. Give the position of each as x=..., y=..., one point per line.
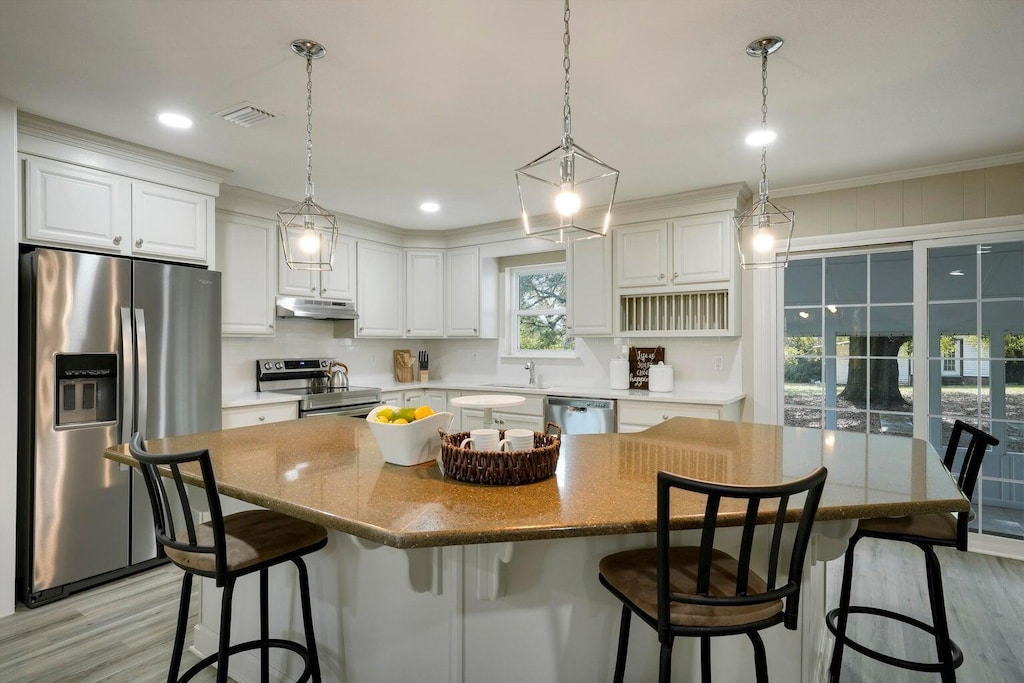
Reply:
x=246, y=416
x=650, y=413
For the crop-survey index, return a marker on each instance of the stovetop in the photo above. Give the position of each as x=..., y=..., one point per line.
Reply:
x=273, y=371
x=337, y=391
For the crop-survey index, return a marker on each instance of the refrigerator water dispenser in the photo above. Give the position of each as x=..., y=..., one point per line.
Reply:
x=86, y=389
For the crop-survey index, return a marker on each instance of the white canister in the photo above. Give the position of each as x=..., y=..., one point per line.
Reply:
x=659, y=378
x=618, y=369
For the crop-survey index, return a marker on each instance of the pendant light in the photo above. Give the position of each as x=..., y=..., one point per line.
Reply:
x=763, y=233
x=308, y=231
x=567, y=193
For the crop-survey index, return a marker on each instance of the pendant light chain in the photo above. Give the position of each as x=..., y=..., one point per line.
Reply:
x=764, y=123
x=566, y=109
x=309, y=127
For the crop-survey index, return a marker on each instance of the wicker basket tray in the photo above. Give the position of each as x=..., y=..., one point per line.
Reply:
x=504, y=467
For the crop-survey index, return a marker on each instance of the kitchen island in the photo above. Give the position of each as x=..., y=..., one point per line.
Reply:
x=429, y=579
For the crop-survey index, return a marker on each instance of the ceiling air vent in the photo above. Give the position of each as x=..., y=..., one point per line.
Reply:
x=245, y=115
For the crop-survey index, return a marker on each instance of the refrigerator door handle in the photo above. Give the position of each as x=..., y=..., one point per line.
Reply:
x=128, y=378
x=143, y=368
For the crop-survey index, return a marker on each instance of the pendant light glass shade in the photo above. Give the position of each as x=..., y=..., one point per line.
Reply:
x=308, y=232
x=764, y=232
x=567, y=193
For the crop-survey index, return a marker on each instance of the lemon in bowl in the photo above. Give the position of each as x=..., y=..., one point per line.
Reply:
x=405, y=441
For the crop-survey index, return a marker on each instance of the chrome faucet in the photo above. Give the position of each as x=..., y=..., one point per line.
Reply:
x=533, y=376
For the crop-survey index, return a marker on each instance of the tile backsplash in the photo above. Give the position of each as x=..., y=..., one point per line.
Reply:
x=477, y=360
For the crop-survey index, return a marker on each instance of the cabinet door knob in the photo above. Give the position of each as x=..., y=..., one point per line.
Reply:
x=675, y=274
x=662, y=276
x=474, y=330
x=271, y=325
x=312, y=289
x=117, y=239
x=408, y=331
x=138, y=242
x=664, y=417
x=324, y=290
x=262, y=418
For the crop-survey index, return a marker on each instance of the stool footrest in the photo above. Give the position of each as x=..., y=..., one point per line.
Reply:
x=931, y=667
x=297, y=648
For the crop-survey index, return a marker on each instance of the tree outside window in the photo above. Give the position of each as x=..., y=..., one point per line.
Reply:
x=538, y=316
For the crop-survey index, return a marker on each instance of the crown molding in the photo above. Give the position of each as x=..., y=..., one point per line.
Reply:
x=72, y=136
x=907, y=174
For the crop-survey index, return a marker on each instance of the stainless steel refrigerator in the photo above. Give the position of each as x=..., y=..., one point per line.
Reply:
x=108, y=346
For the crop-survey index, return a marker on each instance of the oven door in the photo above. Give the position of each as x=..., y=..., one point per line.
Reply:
x=361, y=410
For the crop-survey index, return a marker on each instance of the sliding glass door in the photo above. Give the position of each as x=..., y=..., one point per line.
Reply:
x=861, y=343
x=976, y=365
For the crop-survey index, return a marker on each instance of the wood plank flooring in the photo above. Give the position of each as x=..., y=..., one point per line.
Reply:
x=122, y=632
x=118, y=633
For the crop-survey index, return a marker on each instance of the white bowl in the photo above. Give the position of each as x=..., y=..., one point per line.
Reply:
x=409, y=444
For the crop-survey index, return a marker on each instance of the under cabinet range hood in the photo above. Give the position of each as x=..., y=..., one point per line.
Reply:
x=315, y=309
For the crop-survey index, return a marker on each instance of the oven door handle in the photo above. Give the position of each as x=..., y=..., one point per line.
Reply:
x=345, y=411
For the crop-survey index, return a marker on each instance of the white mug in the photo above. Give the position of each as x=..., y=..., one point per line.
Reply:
x=519, y=439
x=484, y=440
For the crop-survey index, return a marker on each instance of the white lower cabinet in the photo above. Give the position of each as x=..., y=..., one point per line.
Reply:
x=636, y=416
x=246, y=416
x=391, y=398
x=435, y=398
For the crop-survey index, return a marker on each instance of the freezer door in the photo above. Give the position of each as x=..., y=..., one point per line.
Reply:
x=76, y=515
x=177, y=327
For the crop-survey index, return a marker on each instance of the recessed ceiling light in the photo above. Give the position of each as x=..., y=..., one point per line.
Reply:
x=430, y=207
x=761, y=136
x=175, y=120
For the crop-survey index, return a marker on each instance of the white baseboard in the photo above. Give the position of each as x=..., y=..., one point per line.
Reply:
x=996, y=545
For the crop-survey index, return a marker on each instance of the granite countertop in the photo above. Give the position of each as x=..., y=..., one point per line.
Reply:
x=328, y=470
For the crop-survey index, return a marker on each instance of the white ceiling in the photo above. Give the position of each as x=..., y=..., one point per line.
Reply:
x=442, y=99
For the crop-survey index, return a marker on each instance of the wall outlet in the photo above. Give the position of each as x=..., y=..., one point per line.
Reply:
x=718, y=362
x=473, y=355
x=373, y=360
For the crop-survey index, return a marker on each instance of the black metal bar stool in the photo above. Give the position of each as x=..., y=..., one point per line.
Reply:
x=926, y=532
x=702, y=591
x=224, y=549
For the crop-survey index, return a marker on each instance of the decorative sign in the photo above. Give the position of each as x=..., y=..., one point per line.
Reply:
x=640, y=361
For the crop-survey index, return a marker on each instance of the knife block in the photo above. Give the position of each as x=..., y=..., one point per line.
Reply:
x=403, y=366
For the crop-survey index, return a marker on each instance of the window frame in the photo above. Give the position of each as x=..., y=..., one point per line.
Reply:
x=514, y=314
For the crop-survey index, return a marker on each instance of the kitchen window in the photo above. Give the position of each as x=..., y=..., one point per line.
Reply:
x=537, y=316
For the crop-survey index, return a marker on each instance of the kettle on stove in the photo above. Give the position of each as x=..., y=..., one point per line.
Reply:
x=337, y=373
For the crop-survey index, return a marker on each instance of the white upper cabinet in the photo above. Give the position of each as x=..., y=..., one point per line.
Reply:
x=703, y=250
x=462, y=285
x=380, y=292
x=73, y=205
x=168, y=222
x=641, y=255
x=246, y=249
x=424, y=292
x=589, y=278
x=338, y=284
x=76, y=206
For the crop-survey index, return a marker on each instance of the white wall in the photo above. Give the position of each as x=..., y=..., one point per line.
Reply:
x=8, y=348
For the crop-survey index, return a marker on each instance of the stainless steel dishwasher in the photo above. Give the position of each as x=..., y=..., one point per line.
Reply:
x=580, y=415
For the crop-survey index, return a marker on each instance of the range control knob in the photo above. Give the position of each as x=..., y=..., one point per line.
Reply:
x=266, y=366
x=323, y=364
x=278, y=365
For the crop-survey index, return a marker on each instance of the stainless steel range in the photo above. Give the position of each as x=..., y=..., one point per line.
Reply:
x=316, y=382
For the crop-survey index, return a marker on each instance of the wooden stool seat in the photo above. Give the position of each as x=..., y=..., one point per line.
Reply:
x=633, y=573
x=705, y=592
x=226, y=549
x=939, y=526
x=251, y=538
